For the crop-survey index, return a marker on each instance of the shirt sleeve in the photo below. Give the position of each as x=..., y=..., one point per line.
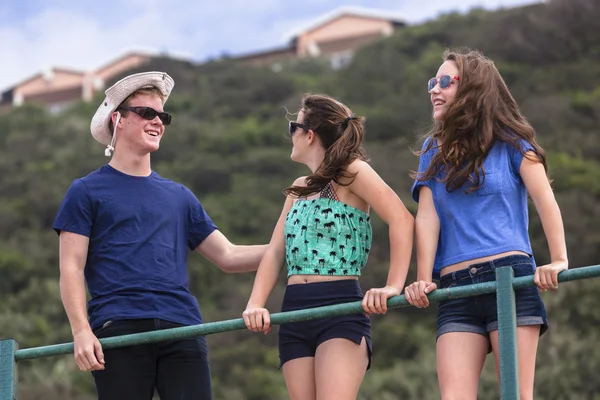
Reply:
x=516, y=154
x=200, y=224
x=76, y=211
x=424, y=161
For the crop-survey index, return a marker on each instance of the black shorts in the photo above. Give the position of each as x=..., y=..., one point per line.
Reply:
x=301, y=339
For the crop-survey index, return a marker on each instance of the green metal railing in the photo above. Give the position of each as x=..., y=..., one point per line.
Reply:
x=504, y=286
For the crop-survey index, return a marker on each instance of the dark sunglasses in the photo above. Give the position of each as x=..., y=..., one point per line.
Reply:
x=444, y=81
x=149, y=113
x=294, y=125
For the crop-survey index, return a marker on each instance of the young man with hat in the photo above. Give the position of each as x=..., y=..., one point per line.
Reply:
x=125, y=232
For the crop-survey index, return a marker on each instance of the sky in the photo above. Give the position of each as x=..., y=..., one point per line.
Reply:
x=84, y=35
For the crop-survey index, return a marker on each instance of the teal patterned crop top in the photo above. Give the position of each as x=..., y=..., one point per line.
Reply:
x=326, y=237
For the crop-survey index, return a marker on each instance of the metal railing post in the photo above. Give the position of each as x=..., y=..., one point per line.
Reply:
x=8, y=369
x=507, y=332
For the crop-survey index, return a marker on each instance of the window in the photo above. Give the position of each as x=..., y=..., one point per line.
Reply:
x=341, y=59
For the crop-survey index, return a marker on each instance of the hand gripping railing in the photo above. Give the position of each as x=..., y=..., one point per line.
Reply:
x=504, y=286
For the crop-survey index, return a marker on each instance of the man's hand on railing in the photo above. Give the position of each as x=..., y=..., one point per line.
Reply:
x=416, y=293
x=88, y=351
x=546, y=276
x=257, y=319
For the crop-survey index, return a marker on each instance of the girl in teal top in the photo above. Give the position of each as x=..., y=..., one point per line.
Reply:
x=324, y=236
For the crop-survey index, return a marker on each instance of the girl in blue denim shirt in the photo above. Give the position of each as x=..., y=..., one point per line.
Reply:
x=476, y=170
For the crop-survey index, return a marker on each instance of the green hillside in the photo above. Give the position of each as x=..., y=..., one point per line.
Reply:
x=227, y=143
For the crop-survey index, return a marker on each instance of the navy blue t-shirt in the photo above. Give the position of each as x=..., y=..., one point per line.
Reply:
x=140, y=230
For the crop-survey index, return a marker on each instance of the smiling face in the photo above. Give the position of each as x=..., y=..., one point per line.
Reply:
x=136, y=134
x=441, y=98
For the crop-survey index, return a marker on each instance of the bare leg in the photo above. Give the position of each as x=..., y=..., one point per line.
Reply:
x=527, y=343
x=299, y=375
x=460, y=359
x=340, y=366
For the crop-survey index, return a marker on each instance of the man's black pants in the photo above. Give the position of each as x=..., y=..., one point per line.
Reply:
x=178, y=369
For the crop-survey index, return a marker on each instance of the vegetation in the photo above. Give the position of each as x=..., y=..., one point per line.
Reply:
x=227, y=143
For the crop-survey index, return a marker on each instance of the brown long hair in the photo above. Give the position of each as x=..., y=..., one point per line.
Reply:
x=341, y=137
x=483, y=111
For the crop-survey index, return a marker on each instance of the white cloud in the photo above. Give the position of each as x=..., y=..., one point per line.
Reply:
x=76, y=40
x=73, y=35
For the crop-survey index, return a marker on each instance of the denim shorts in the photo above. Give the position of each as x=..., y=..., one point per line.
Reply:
x=479, y=314
x=301, y=339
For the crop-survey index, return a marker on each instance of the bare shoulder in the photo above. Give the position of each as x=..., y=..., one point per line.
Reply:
x=291, y=199
x=359, y=170
x=358, y=166
x=301, y=181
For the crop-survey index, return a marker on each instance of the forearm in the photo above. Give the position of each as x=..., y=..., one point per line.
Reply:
x=427, y=234
x=245, y=258
x=401, y=243
x=73, y=295
x=553, y=229
x=265, y=280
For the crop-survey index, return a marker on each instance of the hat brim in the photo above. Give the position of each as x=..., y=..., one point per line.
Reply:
x=117, y=93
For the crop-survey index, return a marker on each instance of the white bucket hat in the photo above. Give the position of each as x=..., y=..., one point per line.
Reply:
x=117, y=93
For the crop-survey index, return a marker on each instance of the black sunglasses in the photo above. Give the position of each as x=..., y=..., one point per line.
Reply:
x=149, y=113
x=445, y=82
x=294, y=125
